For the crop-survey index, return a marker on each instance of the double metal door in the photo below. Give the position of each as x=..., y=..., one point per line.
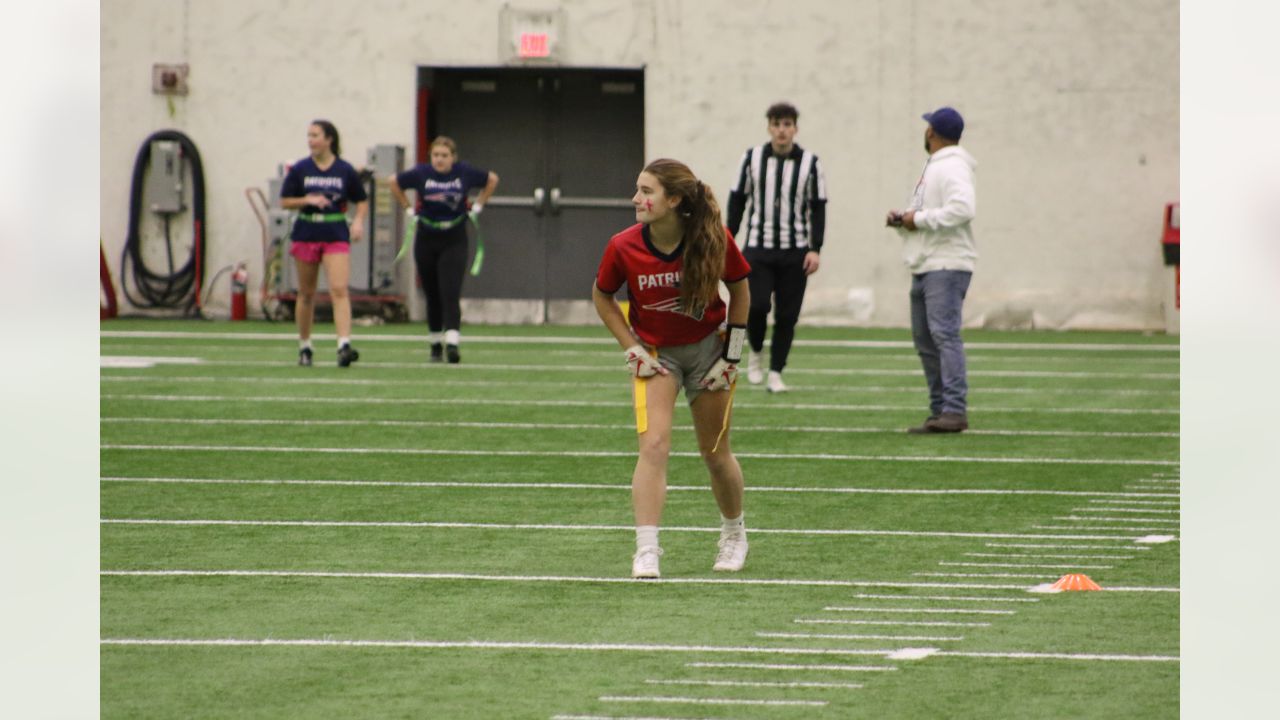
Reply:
x=567, y=145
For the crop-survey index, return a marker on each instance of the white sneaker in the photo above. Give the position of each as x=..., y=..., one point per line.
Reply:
x=755, y=375
x=645, y=562
x=775, y=383
x=733, y=552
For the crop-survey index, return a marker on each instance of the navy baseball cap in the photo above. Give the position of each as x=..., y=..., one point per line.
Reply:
x=946, y=122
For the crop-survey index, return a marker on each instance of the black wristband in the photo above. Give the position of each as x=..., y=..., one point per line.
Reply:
x=733, y=343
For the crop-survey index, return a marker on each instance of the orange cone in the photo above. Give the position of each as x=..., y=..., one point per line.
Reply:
x=1075, y=581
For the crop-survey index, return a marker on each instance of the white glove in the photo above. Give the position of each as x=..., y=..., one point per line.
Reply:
x=409, y=215
x=643, y=364
x=476, y=208
x=720, y=376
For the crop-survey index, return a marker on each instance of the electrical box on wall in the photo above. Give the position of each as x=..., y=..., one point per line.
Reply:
x=169, y=79
x=164, y=177
x=530, y=36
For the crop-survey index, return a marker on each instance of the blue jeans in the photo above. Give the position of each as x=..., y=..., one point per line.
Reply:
x=936, y=300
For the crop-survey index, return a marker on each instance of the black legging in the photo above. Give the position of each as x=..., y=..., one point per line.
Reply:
x=441, y=256
x=780, y=273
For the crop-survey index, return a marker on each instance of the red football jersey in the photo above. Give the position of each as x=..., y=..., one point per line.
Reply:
x=653, y=287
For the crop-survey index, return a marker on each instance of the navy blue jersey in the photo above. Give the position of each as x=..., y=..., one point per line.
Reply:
x=340, y=183
x=443, y=195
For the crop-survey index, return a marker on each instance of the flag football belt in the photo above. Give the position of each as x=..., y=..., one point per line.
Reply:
x=323, y=217
x=410, y=230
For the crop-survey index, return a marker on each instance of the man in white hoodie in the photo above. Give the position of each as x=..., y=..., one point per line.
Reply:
x=939, y=251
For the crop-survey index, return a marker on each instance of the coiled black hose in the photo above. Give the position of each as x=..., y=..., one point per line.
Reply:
x=178, y=287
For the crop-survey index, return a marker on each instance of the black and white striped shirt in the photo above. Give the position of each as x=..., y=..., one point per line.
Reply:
x=783, y=198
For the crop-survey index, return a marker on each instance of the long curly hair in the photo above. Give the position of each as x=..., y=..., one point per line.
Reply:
x=702, y=232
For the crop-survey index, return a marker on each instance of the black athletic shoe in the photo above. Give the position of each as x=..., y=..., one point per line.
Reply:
x=304, y=357
x=437, y=352
x=347, y=355
x=452, y=352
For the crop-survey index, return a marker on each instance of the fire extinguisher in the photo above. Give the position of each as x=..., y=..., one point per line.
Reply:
x=239, y=294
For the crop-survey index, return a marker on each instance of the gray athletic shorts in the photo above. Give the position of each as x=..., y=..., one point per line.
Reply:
x=689, y=363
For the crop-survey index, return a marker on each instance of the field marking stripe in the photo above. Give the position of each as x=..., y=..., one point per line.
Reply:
x=621, y=647
x=1125, y=548
x=485, y=645
x=785, y=666
x=904, y=623
x=926, y=611
x=947, y=598
x=829, y=636
x=627, y=487
x=1060, y=656
x=615, y=370
x=1076, y=518
x=1125, y=510
x=592, y=528
x=1053, y=557
x=709, y=701
x=623, y=454
x=562, y=578
x=303, y=422
x=573, y=340
x=1092, y=528
x=756, y=684
x=1027, y=566
x=489, y=401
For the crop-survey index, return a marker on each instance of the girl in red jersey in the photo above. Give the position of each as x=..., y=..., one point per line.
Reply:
x=672, y=262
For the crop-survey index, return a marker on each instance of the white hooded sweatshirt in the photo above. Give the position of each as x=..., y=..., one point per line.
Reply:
x=945, y=201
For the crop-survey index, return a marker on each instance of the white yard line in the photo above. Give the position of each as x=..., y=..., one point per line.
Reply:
x=1125, y=548
x=605, y=486
x=1027, y=566
x=891, y=623
x=1059, y=656
x=570, y=527
x=709, y=701
x=593, y=647
x=914, y=611
x=784, y=666
x=1139, y=502
x=1050, y=557
x=1125, y=510
x=617, y=717
x=824, y=636
x=974, y=575
x=604, y=341
x=942, y=598
x=745, y=683
x=304, y=422
x=1077, y=518
x=1095, y=528
x=618, y=454
x=601, y=403
x=170, y=574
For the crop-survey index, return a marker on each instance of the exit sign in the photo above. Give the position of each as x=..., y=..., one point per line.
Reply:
x=530, y=36
x=535, y=45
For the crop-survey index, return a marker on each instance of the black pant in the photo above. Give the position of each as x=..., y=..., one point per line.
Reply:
x=775, y=273
x=441, y=257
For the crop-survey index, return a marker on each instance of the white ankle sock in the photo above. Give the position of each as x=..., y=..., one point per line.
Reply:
x=732, y=525
x=304, y=344
x=344, y=341
x=452, y=337
x=435, y=338
x=646, y=535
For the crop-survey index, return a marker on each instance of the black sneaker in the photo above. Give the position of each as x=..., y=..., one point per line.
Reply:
x=452, y=352
x=347, y=355
x=437, y=352
x=304, y=357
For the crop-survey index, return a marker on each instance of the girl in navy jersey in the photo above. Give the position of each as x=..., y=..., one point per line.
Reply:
x=319, y=187
x=440, y=245
x=672, y=263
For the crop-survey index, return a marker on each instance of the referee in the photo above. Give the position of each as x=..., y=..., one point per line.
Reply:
x=782, y=193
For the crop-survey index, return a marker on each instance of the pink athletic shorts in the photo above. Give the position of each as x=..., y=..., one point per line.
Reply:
x=312, y=252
